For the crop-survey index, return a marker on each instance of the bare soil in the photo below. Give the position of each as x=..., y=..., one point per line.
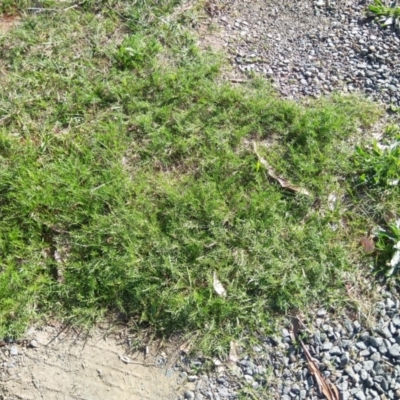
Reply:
x=7, y=22
x=54, y=364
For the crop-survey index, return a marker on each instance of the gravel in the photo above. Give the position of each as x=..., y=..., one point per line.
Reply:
x=363, y=363
x=310, y=48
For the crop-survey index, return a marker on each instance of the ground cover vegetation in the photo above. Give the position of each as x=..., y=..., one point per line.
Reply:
x=129, y=180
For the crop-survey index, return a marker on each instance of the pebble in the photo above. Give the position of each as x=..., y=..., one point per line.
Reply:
x=34, y=344
x=394, y=351
x=13, y=351
x=368, y=365
x=189, y=395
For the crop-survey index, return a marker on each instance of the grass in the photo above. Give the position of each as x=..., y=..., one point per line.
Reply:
x=128, y=178
x=386, y=15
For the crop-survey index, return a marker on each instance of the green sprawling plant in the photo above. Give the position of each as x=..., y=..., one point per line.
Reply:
x=385, y=14
x=128, y=180
x=379, y=169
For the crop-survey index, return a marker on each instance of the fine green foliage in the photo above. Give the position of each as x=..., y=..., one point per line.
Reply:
x=128, y=178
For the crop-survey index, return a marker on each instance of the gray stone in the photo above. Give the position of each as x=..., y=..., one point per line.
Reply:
x=360, y=395
x=390, y=303
x=368, y=365
x=383, y=349
x=361, y=345
x=13, y=351
x=335, y=351
x=169, y=372
x=295, y=389
x=364, y=353
x=344, y=395
x=394, y=350
x=342, y=386
x=344, y=359
x=189, y=395
x=363, y=375
x=285, y=333
x=378, y=369
x=385, y=332
x=396, y=321
x=375, y=357
x=327, y=346
x=385, y=385
x=321, y=312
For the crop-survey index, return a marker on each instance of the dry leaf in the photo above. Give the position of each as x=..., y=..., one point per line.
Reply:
x=233, y=351
x=368, y=244
x=329, y=390
x=295, y=328
x=185, y=347
x=219, y=289
x=283, y=182
x=332, y=199
x=233, y=357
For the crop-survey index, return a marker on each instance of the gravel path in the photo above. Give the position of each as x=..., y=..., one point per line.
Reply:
x=309, y=48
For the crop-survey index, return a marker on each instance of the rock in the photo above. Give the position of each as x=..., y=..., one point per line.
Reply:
x=344, y=359
x=363, y=375
x=295, y=389
x=345, y=395
x=13, y=351
x=390, y=303
x=360, y=395
x=375, y=342
x=396, y=321
x=285, y=333
x=169, y=372
x=350, y=372
x=375, y=357
x=34, y=344
x=189, y=395
x=394, y=350
x=335, y=351
x=192, y=378
x=342, y=386
x=368, y=365
x=327, y=346
x=378, y=369
x=321, y=312
x=361, y=345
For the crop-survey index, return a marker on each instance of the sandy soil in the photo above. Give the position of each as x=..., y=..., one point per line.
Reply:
x=52, y=364
x=7, y=22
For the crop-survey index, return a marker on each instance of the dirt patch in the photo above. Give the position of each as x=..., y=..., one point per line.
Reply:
x=53, y=365
x=7, y=22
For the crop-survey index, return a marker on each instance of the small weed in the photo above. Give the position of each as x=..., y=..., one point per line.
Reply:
x=378, y=169
x=386, y=15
